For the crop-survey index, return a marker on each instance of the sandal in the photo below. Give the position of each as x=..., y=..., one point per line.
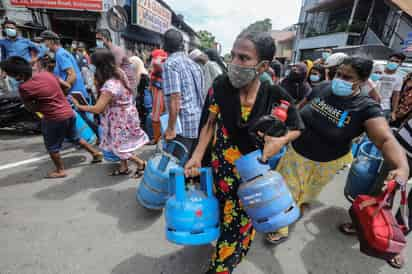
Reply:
x=348, y=229
x=271, y=238
x=397, y=262
x=140, y=171
x=97, y=158
x=118, y=172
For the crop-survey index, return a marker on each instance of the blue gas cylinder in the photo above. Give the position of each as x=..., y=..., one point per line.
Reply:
x=274, y=161
x=108, y=155
x=192, y=214
x=153, y=189
x=83, y=130
x=363, y=172
x=264, y=195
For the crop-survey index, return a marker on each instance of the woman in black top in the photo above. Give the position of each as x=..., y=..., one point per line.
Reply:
x=295, y=82
x=333, y=118
x=236, y=101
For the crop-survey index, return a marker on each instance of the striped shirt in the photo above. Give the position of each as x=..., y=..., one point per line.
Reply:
x=182, y=75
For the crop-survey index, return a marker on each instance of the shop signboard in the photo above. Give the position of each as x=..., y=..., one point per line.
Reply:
x=89, y=5
x=151, y=15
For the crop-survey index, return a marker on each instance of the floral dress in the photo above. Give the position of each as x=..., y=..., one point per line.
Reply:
x=237, y=232
x=121, y=132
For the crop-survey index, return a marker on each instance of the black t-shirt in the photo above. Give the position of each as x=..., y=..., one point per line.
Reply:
x=332, y=122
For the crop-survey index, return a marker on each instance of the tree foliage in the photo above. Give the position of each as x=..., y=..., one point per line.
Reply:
x=207, y=40
x=260, y=26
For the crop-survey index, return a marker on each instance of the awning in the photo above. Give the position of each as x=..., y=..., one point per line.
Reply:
x=404, y=5
x=327, y=5
x=139, y=34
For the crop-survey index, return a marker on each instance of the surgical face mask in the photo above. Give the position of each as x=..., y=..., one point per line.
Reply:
x=325, y=55
x=92, y=68
x=241, y=76
x=287, y=72
x=375, y=77
x=11, y=32
x=392, y=66
x=14, y=84
x=314, y=78
x=341, y=87
x=99, y=44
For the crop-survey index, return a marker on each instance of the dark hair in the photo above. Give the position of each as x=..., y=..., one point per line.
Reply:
x=9, y=22
x=362, y=66
x=106, y=68
x=321, y=69
x=398, y=55
x=173, y=41
x=15, y=66
x=277, y=67
x=264, y=44
x=214, y=56
x=105, y=33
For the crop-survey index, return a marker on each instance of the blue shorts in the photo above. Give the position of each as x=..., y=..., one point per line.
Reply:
x=56, y=132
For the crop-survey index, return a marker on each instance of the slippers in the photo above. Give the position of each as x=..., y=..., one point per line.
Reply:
x=97, y=158
x=118, y=172
x=348, y=229
x=282, y=238
x=398, y=262
x=140, y=171
x=55, y=175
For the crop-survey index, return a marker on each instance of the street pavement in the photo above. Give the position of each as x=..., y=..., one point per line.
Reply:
x=90, y=223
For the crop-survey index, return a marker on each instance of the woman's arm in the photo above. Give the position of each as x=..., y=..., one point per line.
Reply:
x=206, y=134
x=374, y=94
x=381, y=135
x=100, y=105
x=273, y=145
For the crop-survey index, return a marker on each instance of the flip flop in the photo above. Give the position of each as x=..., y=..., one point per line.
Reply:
x=398, y=262
x=140, y=171
x=347, y=229
x=97, y=158
x=54, y=175
x=118, y=172
x=282, y=238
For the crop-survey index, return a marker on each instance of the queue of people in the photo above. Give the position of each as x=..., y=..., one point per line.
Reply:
x=332, y=101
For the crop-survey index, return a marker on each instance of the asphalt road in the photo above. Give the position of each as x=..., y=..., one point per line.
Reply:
x=90, y=223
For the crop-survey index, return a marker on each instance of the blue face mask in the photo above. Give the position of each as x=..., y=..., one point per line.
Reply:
x=375, y=77
x=92, y=68
x=314, y=78
x=14, y=84
x=341, y=87
x=325, y=55
x=99, y=44
x=11, y=32
x=392, y=66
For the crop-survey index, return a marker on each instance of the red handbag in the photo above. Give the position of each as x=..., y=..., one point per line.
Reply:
x=379, y=233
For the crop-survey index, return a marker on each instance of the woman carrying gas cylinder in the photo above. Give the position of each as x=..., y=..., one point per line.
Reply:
x=237, y=101
x=333, y=118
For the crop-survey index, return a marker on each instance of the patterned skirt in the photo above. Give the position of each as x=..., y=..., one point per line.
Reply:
x=307, y=178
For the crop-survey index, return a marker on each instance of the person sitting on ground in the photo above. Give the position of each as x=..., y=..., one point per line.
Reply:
x=41, y=92
x=121, y=132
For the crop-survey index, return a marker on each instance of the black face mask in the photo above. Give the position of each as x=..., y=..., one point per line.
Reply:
x=296, y=76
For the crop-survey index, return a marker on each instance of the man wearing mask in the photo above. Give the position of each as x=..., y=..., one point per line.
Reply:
x=104, y=40
x=211, y=69
x=391, y=86
x=183, y=84
x=295, y=82
x=66, y=69
x=14, y=45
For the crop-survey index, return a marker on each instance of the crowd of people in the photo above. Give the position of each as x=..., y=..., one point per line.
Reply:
x=333, y=100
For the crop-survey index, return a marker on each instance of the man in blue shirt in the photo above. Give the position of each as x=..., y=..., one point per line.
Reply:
x=66, y=68
x=14, y=45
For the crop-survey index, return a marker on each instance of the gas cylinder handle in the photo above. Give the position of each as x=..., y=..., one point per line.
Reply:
x=177, y=184
x=206, y=181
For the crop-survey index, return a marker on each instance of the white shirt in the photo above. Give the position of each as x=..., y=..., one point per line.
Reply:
x=387, y=85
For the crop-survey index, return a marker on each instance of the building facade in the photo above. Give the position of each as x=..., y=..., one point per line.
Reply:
x=342, y=23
